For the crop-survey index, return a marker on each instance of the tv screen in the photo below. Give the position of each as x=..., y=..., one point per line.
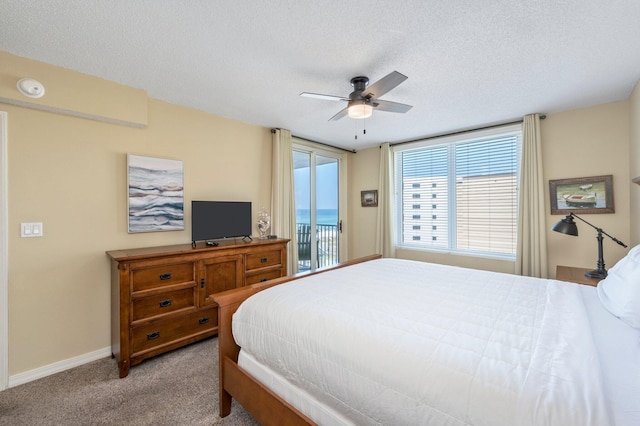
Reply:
x=212, y=220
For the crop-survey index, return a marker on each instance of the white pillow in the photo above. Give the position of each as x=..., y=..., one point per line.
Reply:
x=619, y=293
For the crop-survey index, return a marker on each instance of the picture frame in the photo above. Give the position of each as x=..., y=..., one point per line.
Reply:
x=586, y=195
x=155, y=194
x=369, y=198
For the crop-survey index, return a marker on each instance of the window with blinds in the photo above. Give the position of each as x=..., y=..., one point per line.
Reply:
x=460, y=193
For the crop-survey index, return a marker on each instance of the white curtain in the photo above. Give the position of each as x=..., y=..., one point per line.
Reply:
x=283, y=208
x=385, y=226
x=531, y=255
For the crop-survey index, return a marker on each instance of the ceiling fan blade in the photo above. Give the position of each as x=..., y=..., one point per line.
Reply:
x=323, y=97
x=389, y=106
x=385, y=84
x=339, y=115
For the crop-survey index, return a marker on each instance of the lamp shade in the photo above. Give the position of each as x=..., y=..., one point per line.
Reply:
x=359, y=110
x=566, y=226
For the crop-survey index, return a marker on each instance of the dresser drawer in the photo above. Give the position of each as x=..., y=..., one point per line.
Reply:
x=263, y=259
x=172, y=329
x=164, y=303
x=258, y=278
x=162, y=275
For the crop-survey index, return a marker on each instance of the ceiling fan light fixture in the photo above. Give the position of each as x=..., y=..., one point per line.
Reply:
x=364, y=98
x=360, y=110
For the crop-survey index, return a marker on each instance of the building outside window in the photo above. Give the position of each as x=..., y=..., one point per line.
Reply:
x=460, y=193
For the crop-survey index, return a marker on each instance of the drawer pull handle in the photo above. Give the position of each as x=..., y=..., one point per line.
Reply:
x=203, y=320
x=164, y=277
x=264, y=279
x=264, y=259
x=154, y=335
x=165, y=303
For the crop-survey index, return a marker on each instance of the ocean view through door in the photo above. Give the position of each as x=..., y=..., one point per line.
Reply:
x=316, y=183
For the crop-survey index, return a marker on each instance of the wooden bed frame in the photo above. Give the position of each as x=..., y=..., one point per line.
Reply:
x=235, y=383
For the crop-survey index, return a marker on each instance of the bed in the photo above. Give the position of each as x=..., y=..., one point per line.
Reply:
x=390, y=341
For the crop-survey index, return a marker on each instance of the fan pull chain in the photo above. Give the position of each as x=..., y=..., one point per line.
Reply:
x=364, y=129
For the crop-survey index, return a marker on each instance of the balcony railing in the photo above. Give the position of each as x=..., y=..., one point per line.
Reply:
x=327, y=246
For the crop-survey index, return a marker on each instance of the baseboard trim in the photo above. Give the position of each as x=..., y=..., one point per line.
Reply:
x=57, y=367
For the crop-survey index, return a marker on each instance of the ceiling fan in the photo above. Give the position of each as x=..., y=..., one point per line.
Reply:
x=363, y=100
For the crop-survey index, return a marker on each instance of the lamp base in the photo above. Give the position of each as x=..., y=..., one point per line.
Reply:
x=597, y=273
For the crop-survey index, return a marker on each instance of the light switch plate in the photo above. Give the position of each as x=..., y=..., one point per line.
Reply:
x=30, y=230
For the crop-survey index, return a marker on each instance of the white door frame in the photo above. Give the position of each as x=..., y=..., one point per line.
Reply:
x=4, y=256
x=312, y=148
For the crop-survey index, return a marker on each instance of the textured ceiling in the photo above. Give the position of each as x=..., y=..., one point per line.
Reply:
x=470, y=63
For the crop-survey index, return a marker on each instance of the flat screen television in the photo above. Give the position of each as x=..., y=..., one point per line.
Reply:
x=212, y=220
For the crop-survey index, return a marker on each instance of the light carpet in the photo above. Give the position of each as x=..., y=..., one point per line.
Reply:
x=176, y=388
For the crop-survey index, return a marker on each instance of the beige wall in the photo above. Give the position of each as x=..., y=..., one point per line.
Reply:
x=70, y=174
x=585, y=142
x=363, y=175
x=634, y=162
x=72, y=93
x=589, y=142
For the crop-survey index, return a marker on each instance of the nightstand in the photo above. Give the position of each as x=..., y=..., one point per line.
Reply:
x=575, y=275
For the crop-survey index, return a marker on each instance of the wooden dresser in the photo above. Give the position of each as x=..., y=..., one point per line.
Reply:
x=161, y=297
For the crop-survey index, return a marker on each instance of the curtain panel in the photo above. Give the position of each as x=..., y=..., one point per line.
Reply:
x=385, y=226
x=283, y=208
x=531, y=254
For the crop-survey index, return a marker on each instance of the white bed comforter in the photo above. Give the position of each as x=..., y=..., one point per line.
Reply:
x=396, y=342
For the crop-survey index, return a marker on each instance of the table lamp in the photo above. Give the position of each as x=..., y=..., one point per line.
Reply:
x=568, y=226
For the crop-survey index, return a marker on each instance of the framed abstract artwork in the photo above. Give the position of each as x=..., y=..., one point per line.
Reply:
x=155, y=194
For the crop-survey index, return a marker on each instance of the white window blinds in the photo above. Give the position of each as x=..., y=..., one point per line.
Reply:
x=461, y=195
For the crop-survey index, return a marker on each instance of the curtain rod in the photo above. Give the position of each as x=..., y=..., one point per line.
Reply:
x=542, y=117
x=353, y=151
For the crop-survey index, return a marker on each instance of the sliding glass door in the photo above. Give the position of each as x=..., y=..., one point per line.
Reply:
x=317, y=192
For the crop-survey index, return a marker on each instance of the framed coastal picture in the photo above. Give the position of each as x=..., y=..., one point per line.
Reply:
x=155, y=194
x=586, y=195
x=369, y=198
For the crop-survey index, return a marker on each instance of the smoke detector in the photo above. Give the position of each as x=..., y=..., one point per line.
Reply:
x=30, y=88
